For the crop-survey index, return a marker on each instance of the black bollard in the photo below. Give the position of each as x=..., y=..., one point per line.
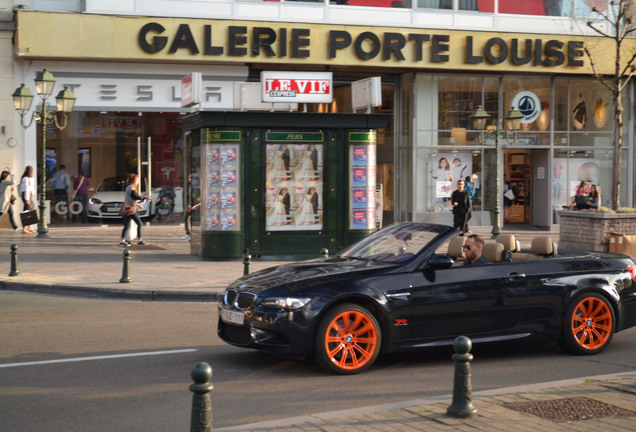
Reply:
x=201, y=420
x=247, y=259
x=324, y=253
x=14, y=261
x=462, y=405
x=125, y=274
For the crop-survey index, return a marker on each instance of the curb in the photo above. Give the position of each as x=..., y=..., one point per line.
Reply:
x=319, y=418
x=110, y=293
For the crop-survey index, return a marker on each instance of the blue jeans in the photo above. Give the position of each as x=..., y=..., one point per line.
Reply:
x=127, y=220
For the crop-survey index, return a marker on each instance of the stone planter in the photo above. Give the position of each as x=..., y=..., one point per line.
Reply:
x=589, y=231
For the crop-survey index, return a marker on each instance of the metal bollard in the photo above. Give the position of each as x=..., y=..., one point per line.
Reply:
x=125, y=274
x=14, y=261
x=324, y=253
x=462, y=405
x=247, y=259
x=201, y=420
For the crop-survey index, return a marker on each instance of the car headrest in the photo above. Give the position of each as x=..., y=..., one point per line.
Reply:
x=542, y=245
x=509, y=242
x=456, y=247
x=492, y=251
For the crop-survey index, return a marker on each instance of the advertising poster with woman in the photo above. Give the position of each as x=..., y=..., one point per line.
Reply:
x=294, y=182
x=445, y=170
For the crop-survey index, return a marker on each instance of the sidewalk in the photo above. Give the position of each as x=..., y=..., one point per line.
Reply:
x=603, y=403
x=87, y=261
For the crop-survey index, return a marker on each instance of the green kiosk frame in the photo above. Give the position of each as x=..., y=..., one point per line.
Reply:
x=282, y=185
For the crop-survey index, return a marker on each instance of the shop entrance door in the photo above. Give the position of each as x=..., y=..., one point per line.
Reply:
x=517, y=186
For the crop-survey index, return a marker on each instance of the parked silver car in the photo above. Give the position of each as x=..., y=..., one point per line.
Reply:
x=109, y=198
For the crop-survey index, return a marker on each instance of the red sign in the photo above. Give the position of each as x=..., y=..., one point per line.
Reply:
x=302, y=87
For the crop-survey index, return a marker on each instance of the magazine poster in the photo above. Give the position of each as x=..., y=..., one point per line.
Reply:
x=223, y=186
x=294, y=187
x=363, y=186
x=443, y=189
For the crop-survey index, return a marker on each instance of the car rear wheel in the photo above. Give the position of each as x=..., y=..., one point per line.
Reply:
x=348, y=339
x=588, y=326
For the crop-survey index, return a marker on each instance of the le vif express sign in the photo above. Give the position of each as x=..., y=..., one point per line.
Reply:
x=300, y=87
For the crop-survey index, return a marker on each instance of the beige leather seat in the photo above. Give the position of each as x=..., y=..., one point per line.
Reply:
x=543, y=245
x=456, y=248
x=509, y=242
x=493, y=251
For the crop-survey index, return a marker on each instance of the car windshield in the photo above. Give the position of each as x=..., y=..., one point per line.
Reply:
x=396, y=243
x=112, y=184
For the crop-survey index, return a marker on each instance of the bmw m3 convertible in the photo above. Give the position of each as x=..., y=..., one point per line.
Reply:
x=405, y=287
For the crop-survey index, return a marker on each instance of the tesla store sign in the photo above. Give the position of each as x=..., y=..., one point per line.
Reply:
x=301, y=87
x=155, y=94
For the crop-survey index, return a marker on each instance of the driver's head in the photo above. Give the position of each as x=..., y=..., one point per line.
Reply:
x=473, y=247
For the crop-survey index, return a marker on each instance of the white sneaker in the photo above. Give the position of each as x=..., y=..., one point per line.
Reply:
x=185, y=237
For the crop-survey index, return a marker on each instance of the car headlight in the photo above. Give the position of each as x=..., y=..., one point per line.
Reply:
x=95, y=201
x=285, y=303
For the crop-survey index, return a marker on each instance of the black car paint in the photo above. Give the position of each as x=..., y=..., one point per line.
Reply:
x=417, y=305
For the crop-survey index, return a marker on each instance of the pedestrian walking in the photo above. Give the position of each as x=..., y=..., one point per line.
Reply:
x=60, y=182
x=460, y=203
x=28, y=193
x=129, y=210
x=194, y=204
x=80, y=194
x=7, y=182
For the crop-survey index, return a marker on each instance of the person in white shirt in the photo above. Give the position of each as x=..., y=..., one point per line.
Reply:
x=28, y=193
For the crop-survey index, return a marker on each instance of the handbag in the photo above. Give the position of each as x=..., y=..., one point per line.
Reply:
x=126, y=210
x=580, y=200
x=28, y=217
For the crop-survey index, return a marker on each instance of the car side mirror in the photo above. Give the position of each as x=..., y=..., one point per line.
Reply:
x=440, y=262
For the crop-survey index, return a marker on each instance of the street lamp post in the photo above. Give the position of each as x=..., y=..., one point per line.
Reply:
x=22, y=99
x=512, y=122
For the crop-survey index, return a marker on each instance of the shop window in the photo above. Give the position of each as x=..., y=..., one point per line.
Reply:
x=458, y=97
x=570, y=167
x=531, y=96
x=582, y=105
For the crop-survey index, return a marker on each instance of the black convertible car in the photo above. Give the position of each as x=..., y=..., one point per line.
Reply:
x=405, y=287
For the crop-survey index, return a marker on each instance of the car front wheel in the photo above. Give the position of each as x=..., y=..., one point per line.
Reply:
x=588, y=326
x=348, y=339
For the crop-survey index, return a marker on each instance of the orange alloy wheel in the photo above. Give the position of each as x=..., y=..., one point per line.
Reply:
x=592, y=323
x=351, y=340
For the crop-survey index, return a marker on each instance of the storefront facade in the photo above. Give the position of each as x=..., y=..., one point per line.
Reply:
x=126, y=73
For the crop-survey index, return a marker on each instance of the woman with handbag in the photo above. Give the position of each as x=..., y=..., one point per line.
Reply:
x=129, y=209
x=6, y=196
x=28, y=193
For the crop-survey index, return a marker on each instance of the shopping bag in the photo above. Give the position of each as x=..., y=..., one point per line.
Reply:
x=28, y=217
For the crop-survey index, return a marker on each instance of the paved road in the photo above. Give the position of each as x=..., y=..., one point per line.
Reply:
x=125, y=365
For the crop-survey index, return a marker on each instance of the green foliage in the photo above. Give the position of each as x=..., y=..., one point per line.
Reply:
x=602, y=209
x=626, y=210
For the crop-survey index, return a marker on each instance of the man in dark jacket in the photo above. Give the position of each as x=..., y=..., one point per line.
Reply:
x=460, y=202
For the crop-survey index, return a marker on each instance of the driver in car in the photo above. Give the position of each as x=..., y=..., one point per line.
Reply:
x=473, y=248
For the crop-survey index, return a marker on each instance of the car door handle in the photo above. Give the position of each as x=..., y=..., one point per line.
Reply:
x=513, y=276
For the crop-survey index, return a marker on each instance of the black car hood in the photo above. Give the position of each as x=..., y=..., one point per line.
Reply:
x=298, y=276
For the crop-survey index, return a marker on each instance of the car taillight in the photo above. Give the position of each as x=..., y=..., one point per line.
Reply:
x=632, y=271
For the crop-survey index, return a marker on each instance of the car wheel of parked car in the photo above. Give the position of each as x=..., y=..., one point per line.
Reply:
x=348, y=339
x=588, y=326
